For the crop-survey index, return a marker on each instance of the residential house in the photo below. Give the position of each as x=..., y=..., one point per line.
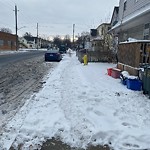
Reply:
x=115, y=16
x=133, y=20
x=100, y=43
x=113, y=22
x=45, y=43
x=30, y=42
x=7, y=41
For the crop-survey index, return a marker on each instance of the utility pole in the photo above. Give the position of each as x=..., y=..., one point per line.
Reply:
x=73, y=34
x=16, y=21
x=37, y=36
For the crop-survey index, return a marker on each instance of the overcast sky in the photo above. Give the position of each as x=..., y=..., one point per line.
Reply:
x=56, y=17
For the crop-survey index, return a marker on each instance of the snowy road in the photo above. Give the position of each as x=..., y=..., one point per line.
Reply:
x=81, y=105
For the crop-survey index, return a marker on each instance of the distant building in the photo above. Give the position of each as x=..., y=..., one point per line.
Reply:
x=101, y=42
x=29, y=42
x=7, y=41
x=113, y=22
x=93, y=32
x=115, y=16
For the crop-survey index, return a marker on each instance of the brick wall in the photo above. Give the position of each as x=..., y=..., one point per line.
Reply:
x=7, y=41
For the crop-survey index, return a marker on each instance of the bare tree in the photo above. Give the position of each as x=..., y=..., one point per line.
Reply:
x=67, y=36
x=57, y=41
x=6, y=30
x=28, y=34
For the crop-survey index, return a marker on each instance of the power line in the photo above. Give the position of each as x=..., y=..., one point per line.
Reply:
x=7, y=6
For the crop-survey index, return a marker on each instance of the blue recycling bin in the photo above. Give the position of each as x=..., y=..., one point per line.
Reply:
x=134, y=84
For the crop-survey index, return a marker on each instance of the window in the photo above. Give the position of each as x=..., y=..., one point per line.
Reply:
x=125, y=5
x=1, y=42
x=9, y=43
x=146, y=31
x=146, y=26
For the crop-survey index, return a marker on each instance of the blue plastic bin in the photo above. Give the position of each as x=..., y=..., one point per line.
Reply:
x=124, y=82
x=134, y=84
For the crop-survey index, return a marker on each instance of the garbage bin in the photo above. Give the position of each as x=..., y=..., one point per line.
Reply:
x=109, y=71
x=146, y=80
x=134, y=84
x=115, y=73
x=124, y=76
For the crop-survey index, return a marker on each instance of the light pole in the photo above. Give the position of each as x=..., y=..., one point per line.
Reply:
x=16, y=27
x=16, y=22
x=37, y=36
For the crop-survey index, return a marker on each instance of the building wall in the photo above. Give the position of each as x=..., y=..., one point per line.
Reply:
x=103, y=29
x=132, y=32
x=139, y=27
x=131, y=7
x=115, y=17
x=7, y=41
x=135, y=32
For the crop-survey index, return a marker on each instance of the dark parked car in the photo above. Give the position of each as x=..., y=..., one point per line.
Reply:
x=62, y=49
x=53, y=55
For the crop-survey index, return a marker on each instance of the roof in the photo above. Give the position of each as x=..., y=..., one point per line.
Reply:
x=116, y=9
x=52, y=50
x=30, y=38
x=136, y=41
x=108, y=24
x=97, y=39
x=5, y=33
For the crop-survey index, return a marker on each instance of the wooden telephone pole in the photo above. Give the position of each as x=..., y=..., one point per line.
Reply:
x=37, y=36
x=16, y=22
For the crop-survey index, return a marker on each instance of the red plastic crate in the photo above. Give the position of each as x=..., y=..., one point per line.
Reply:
x=115, y=73
x=109, y=71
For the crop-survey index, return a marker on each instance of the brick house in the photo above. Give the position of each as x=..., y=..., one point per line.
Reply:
x=7, y=41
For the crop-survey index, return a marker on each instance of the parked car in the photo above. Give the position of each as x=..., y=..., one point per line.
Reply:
x=53, y=55
x=62, y=49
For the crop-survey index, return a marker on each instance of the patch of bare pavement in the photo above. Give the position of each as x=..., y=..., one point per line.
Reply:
x=18, y=82
x=56, y=144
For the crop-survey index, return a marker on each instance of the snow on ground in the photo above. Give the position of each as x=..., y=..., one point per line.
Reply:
x=82, y=105
x=4, y=52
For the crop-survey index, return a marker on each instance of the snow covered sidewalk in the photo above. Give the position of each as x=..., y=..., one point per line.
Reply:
x=82, y=105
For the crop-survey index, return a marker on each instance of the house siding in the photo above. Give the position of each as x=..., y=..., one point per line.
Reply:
x=114, y=19
x=132, y=6
x=132, y=18
x=132, y=33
